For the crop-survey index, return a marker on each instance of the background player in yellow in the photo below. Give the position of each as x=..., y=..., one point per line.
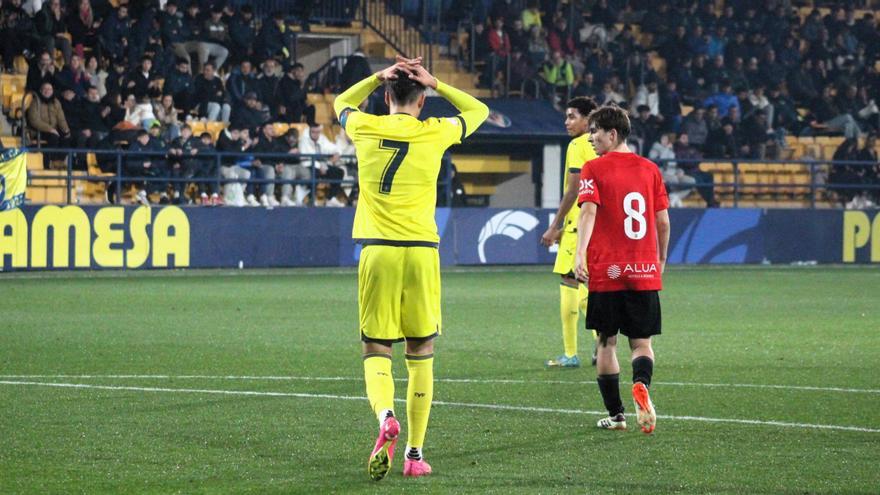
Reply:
x=572, y=296
x=399, y=269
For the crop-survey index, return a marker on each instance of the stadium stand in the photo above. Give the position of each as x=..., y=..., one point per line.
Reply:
x=792, y=84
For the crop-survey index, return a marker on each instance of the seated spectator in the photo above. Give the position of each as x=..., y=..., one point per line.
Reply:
x=242, y=34
x=325, y=167
x=538, y=47
x=723, y=142
x=180, y=85
x=115, y=33
x=499, y=49
x=868, y=154
x=669, y=105
x=759, y=101
x=74, y=77
x=210, y=96
x=754, y=136
x=609, y=95
x=236, y=169
x=356, y=69
x=294, y=105
x=348, y=162
x=141, y=163
x=687, y=159
x=274, y=38
x=724, y=100
x=52, y=29
x=41, y=72
x=46, y=116
x=801, y=83
x=846, y=176
x=560, y=39
x=696, y=127
x=647, y=95
x=205, y=167
x=828, y=117
x=16, y=33
x=267, y=85
x=241, y=81
x=264, y=167
x=83, y=26
x=141, y=81
x=531, y=15
x=519, y=37
x=167, y=115
x=252, y=114
x=645, y=128
x=678, y=184
x=216, y=39
x=94, y=121
x=585, y=85
x=293, y=169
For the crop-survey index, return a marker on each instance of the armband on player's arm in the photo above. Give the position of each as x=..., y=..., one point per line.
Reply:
x=473, y=111
x=351, y=98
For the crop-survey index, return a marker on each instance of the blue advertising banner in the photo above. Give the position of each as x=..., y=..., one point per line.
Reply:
x=126, y=237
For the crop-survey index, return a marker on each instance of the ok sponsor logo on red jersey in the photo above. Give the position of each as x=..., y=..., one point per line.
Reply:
x=587, y=187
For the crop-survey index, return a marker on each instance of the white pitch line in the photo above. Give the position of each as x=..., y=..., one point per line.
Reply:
x=501, y=407
x=450, y=380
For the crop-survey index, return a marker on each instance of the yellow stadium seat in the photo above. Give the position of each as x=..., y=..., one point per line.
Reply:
x=214, y=128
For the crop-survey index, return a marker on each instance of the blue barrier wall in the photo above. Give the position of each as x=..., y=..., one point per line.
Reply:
x=114, y=237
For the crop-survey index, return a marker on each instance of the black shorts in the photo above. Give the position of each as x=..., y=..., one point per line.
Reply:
x=635, y=314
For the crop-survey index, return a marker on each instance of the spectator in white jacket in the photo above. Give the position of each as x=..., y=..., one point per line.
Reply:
x=326, y=163
x=678, y=184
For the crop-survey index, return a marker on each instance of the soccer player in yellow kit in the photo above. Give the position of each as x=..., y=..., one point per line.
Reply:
x=572, y=296
x=399, y=270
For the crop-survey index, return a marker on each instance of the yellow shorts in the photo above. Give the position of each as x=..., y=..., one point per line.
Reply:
x=565, y=256
x=398, y=293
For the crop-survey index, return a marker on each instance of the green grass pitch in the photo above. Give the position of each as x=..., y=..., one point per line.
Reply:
x=251, y=382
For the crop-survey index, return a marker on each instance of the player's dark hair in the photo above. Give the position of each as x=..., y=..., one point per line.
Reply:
x=583, y=104
x=404, y=90
x=611, y=117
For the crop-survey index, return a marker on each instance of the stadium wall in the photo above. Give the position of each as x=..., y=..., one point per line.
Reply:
x=126, y=237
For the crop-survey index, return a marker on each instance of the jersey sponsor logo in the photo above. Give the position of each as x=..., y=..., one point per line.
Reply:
x=587, y=186
x=613, y=272
x=640, y=270
x=509, y=223
x=453, y=121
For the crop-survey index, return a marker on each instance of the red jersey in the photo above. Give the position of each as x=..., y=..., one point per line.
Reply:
x=628, y=189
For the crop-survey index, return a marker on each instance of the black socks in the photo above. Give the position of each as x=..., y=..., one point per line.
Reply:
x=609, y=387
x=643, y=369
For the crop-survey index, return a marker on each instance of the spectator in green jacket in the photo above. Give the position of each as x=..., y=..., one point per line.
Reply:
x=558, y=76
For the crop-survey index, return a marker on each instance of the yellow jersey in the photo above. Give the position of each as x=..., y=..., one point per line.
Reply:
x=579, y=152
x=399, y=162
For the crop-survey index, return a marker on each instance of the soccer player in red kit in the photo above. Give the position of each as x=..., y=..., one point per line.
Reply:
x=623, y=236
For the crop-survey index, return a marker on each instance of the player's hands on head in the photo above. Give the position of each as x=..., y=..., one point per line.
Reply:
x=390, y=73
x=422, y=75
x=408, y=61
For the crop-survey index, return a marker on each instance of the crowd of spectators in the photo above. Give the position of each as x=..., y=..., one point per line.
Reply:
x=752, y=73
x=140, y=77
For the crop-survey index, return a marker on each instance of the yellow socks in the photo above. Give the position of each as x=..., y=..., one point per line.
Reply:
x=419, y=394
x=568, y=310
x=380, y=384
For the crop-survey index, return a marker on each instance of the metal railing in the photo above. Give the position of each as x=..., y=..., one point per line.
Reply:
x=225, y=159
x=746, y=179
x=328, y=11
x=409, y=31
